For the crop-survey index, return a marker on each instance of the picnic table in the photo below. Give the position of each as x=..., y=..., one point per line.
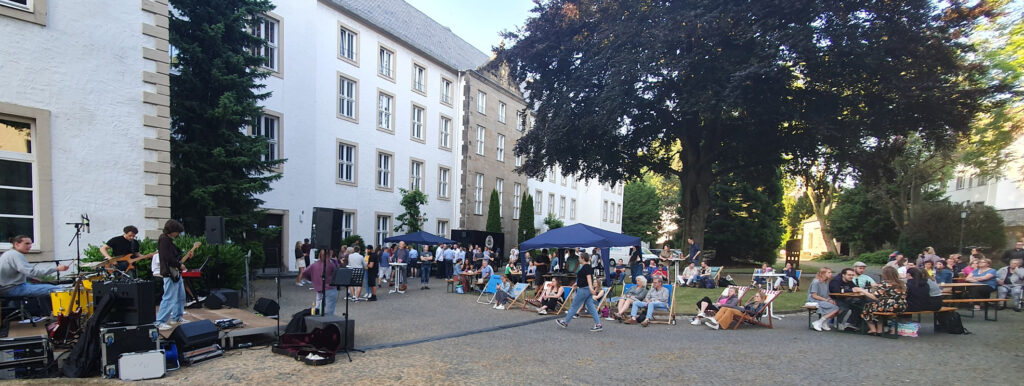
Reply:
x=962, y=286
x=768, y=282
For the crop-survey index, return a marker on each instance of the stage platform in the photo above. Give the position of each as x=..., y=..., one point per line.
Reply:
x=19, y=330
x=253, y=324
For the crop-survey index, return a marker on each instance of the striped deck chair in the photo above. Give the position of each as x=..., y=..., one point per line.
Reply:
x=518, y=293
x=536, y=294
x=762, y=313
x=491, y=288
x=567, y=292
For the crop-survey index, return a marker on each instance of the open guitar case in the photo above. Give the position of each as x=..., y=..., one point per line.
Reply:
x=322, y=342
x=84, y=358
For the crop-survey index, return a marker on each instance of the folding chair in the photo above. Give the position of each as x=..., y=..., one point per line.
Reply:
x=769, y=297
x=567, y=292
x=670, y=311
x=753, y=278
x=490, y=288
x=536, y=295
x=518, y=292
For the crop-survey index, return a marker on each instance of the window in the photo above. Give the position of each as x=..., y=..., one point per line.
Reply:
x=551, y=203
x=551, y=174
x=478, y=195
x=32, y=11
x=446, y=91
x=267, y=30
x=346, y=98
x=384, y=170
x=25, y=5
x=604, y=211
x=383, y=228
x=347, y=44
x=385, y=111
x=538, y=202
x=519, y=160
x=501, y=147
x=268, y=127
x=419, y=76
x=959, y=182
x=501, y=112
x=618, y=214
x=499, y=185
x=443, y=177
x=573, y=181
x=517, y=198
x=481, y=102
x=445, y=136
x=18, y=181
x=386, y=63
x=520, y=121
x=981, y=181
x=416, y=175
x=346, y=163
x=417, y=123
x=481, y=133
x=348, y=222
x=442, y=228
x=561, y=207
x=564, y=179
x=572, y=209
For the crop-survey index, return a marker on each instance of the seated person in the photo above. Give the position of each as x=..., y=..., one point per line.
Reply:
x=818, y=294
x=1010, y=279
x=15, y=270
x=660, y=272
x=929, y=268
x=862, y=279
x=984, y=274
x=843, y=283
x=728, y=299
x=703, y=273
x=460, y=276
x=790, y=277
x=760, y=280
x=657, y=296
x=635, y=293
x=485, y=273
x=531, y=272
x=502, y=294
x=649, y=270
x=942, y=273
x=689, y=273
x=620, y=271
x=889, y=296
x=726, y=315
x=550, y=297
x=922, y=294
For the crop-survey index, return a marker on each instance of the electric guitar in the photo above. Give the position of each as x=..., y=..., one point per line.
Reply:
x=176, y=273
x=111, y=264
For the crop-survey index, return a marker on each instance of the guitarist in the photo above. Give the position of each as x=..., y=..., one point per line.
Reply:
x=172, y=305
x=124, y=250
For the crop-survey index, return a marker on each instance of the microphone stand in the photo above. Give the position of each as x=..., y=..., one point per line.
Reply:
x=77, y=240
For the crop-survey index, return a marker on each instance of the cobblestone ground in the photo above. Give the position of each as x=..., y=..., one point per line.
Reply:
x=543, y=353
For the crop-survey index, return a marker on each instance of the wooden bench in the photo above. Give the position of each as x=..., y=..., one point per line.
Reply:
x=887, y=316
x=451, y=284
x=985, y=305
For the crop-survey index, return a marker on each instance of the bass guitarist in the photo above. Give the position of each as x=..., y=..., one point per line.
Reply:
x=172, y=305
x=123, y=251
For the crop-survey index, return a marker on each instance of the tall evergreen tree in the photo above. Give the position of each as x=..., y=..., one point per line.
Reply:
x=747, y=210
x=494, y=214
x=526, y=228
x=217, y=167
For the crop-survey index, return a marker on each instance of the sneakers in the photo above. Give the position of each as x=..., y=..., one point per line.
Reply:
x=561, y=323
x=826, y=326
x=577, y=316
x=712, y=323
x=596, y=328
x=542, y=312
x=816, y=325
x=500, y=307
x=701, y=315
x=695, y=321
x=372, y=298
x=164, y=326
x=300, y=284
x=426, y=287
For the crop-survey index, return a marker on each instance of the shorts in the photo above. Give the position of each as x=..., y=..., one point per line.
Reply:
x=384, y=273
x=300, y=262
x=372, y=274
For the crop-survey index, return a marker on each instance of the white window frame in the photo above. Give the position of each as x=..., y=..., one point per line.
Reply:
x=442, y=228
x=520, y=124
x=572, y=209
x=382, y=228
x=446, y=90
x=417, y=126
x=416, y=167
x=960, y=180
x=351, y=54
x=444, y=182
x=561, y=207
x=604, y=212
x=499, y=185
x=385, y=162
x=27, y=7
x=348, y=223
x=33, y=11
x=574, y=179
x=481, y=102
x=517, y=198
x=519, y=160
x=538, y=205
x=551, y=203
x=419, y=78
x=385, y=112
x=445, y=133
x=501, y=148
x=352, y=164
x=271, y=51
x=32, y=158
x=481, y=139
x=386, y=62
x=478, y=195
x=346, y=100
x=501, y=112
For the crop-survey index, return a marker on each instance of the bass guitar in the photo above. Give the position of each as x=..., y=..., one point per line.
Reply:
x=176, y=273
x=111, y=264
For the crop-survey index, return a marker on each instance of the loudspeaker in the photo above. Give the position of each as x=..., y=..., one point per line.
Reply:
x=196, y=334
x=214, y=230
x=326, y=228
x=348, y=333
x=221, y=297
x=266, y=307
x=133, y=302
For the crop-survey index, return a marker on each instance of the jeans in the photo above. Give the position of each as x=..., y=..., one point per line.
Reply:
x=425, y=273
x=448, y=269
x=583, y=297
x=332, y=300
x=650, y=308
x=30, y=289
x=778, y=282
x=635, y=270
x=1014, y=290
x=172, y=305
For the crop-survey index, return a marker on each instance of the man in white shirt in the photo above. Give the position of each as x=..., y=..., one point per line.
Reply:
x=355, y=260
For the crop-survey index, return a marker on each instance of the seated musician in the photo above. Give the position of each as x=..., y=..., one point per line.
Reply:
x=15, y=269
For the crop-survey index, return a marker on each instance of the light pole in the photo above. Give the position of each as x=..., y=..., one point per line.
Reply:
x=963, y=222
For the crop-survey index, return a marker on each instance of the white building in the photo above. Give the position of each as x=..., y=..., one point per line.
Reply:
x=1005, y=194
x=84, y=121
x=574, y=201
x=364, y=103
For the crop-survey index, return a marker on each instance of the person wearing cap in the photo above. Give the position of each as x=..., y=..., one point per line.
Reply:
x=894, y=255
x=862, y=279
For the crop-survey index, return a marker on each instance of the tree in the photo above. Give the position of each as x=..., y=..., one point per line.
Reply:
x=553, y=222
x=526, y=228
x=412, y=219
x=798, y=209
x=494, y=214
x=746, y=215
x=861, y=221
x=216, y=168
x=641, y=210
x=938, y=225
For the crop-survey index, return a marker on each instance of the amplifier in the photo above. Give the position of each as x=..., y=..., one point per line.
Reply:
x=26, y=357
x=133, y=301
x=347, y=333
x=201, y=354
x=201, y=333
x=115, y=341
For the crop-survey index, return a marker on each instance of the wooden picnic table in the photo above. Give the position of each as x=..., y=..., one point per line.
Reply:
x=962, y=286
x=846, y=294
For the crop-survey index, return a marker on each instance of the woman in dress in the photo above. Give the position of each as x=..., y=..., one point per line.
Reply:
x=889, y=296
x=818, y=294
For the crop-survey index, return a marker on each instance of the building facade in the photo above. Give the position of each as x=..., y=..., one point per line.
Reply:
x=576, y=201
x=84, y=121
x=1005, y=193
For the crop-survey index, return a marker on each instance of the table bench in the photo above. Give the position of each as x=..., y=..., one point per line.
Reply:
x=887, y=316
x=985, y=305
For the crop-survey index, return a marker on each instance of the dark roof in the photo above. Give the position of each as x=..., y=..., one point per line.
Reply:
x=416, y=29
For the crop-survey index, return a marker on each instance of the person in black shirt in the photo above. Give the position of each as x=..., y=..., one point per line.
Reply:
x=585, y=286
x=636, y=262
x=125, y=244
x=542, y=262
x=843, y=283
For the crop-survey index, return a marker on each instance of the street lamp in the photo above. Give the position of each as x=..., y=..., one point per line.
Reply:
x=963, y=222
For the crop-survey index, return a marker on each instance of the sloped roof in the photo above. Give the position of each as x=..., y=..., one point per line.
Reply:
x=416, y=29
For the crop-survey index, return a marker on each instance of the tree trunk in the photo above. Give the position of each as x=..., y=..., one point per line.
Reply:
x=694, y=200
x=821, y=203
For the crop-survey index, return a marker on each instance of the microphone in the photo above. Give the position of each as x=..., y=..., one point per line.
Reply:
x=85, y=221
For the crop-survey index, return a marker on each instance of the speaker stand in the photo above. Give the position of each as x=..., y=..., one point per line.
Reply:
x=345, y=349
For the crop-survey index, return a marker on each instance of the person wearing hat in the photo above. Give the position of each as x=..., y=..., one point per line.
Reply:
x=862, y=279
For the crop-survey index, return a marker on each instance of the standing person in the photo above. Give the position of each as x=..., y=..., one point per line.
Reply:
x=449, y=261
x=172, y=305
x=542, y=263
x=384, y=273
x=694, y=251
x=426, y=260
x=401, y=255
x=306, y=247
x=316, y=275
x=478, y=257
x=372, y=271
x=927, y=255
x=355, y=260
x=585, y=286
x=300, y=263
x=597, y=262
x=414, y=260
x=15, y=269
x=636, y=263
x=1016, y=253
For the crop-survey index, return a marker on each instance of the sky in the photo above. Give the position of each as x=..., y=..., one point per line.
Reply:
x=477, y=21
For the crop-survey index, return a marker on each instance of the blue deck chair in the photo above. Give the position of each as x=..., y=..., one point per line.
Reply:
x=670, y=310
x=517, y=294
x=567, y=292
x=491, y=288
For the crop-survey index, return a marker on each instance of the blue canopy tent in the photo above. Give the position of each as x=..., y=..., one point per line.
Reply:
x=582, y=235
x=421, y=237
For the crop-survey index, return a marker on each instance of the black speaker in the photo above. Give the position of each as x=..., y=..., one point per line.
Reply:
x=347, y=333
x=220, y=298
x=266, y=307
x=196, y=334
x=133, y=303
x=214, y=230
x=326, y=228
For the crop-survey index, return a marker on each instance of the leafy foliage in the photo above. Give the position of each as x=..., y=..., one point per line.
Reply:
x=217, y=168
x=746, y=213
x=412, y=219
x=351, y=240
x=553, y=222
x=494, y=213
x=797, y=213
x=876, y=257
x=526, y=228
x=226, y=267
x=938, y=225
x=641, y=210
x=859, y=219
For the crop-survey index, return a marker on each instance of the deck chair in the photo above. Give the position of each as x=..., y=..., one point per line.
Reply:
x=518, y=293
x=537, y=293
x=741, y=290
x=491, y=288
x=715, y=273
x=757, y=271
x=797, y=287
x=671, y=311
x=567, y=292
x=769, y=297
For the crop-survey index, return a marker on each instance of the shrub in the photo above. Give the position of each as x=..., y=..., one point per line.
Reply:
x=829, y=256
x=226, y=267
x=877, y=257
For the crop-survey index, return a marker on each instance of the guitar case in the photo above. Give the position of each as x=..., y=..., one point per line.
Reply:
x=84, y=359
x=321, y=342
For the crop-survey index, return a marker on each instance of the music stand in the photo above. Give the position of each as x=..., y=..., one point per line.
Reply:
x=348, y=277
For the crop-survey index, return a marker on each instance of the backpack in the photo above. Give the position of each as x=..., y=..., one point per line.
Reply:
x=709, y=282
x=951, y=323
x=723, y=282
